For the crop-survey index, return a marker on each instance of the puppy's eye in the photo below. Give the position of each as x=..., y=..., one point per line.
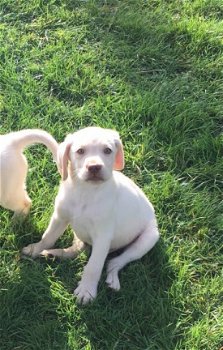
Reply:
x=107, y=150
x=80, y=151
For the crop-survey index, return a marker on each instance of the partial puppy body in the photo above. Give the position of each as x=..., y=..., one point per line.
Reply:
x=14, y=167
x=104, y=207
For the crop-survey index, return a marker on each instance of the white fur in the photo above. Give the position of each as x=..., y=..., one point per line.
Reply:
x=13, y=166
x=106, y=210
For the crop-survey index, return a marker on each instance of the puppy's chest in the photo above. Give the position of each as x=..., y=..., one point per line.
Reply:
x=84, y=218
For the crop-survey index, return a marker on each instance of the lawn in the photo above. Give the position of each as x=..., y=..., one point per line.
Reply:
x=153, y=70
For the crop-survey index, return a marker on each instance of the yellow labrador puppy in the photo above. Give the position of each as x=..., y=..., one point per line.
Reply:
x=13, y=166
x=103, y=206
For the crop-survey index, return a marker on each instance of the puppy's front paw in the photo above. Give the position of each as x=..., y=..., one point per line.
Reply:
x=85, y=292
x=33, y=250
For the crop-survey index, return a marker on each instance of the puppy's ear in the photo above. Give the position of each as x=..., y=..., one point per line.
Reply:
x=63, y=157
x=119, y=157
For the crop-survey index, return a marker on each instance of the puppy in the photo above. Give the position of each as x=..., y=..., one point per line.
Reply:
x=13, y=166
x=104, y=207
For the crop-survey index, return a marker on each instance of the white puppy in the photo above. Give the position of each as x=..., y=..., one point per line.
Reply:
x=104, y=207
x=13, y=166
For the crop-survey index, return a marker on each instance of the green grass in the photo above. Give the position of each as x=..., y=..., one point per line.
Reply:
x=153, y=70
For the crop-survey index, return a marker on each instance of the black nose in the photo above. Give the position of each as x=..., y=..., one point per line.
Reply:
x=94, y=169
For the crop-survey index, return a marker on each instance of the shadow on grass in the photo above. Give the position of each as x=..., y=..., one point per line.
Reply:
x=142, y=314
x=28, y=318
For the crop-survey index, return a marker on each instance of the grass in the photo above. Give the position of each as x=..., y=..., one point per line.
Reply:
x=153, y=71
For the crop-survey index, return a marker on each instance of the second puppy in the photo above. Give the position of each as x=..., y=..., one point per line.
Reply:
x=13, y=166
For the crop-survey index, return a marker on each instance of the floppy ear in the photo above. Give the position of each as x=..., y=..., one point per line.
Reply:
x=63, y=157
x=119, y=157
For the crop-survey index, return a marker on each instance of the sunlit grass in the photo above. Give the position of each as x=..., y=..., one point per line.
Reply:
x=153, y=71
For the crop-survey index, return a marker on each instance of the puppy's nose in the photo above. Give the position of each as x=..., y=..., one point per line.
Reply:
x=94, y=169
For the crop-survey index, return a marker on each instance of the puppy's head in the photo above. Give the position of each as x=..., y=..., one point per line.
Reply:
x=93, y=153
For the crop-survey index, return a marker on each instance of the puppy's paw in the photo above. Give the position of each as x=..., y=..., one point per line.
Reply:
x=85, y=292
x=112, y=280
x=112, y=274
x=47, y=254
x=24, y=209
x=33, y=250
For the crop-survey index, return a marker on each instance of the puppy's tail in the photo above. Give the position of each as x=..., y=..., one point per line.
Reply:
x=25, y=138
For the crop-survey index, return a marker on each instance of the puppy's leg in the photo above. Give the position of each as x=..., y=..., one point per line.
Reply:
x=87, y=288
x=55, y=229
x=134, y=251
x=65, y=253
x=23, y=205
x=13, y=176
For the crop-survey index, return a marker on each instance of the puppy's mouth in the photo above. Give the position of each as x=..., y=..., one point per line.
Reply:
x=95, y=178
